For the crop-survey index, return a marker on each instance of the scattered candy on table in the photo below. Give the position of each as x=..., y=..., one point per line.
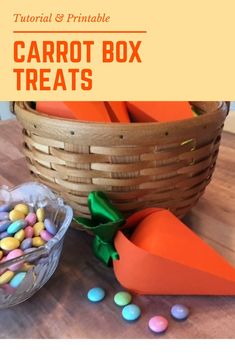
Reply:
x=158, y=324
x=21, y=231
x=122, y=298
x=131, y=312
x=179, y=312
x=96, y=294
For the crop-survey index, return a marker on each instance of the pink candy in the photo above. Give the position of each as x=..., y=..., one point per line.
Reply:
x=31, y=219
x=12, y=255
x=29, y=232
x=45, y=235
x=158, y=324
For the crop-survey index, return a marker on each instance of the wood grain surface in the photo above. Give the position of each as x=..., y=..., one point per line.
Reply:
x=60, y=309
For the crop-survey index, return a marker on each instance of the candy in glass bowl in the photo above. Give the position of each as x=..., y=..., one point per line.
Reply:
x=33, y=224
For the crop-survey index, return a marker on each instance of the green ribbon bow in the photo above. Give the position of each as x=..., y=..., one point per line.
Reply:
x=105, y=222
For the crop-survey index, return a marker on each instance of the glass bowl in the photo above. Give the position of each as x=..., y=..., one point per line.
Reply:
x=39, y=264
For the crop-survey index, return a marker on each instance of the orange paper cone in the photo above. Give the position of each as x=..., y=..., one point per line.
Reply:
x=118, y=112
x=83, y=111
x=159, y=111
x=163, y=256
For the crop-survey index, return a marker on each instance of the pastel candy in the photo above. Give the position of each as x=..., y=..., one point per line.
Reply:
x=29, y=232
x=122, y=298
x=38, y=227
x=4, y=235
x=12, y=255
x=37, y=241
x=45, y=235
x=16, y=226
x=22, y=208
x=31, y=219
x=1, y=254
x=96, y=294
x=26, y=244
x=20, y=235
x=4, y=216
x=3, y=259
x=15, y=215
x=40, y=214
x=6, y=277
x=4, y=225
x=17, y=279
x=50, y=226
x=6, y=207
x=158, y=324
x=131, y=312
x=179, y=312
x=9, y=243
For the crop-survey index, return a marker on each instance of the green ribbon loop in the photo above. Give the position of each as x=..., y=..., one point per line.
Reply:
x=105, y=221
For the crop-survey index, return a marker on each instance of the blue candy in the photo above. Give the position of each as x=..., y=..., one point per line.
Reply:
x=16, y=226
x=4, y=225
x=17, y=279
x=179, y=312
x=131, y=312
x=4, y=235
x=50, y=226
x=96, y=294
x=6, y=207
x=4, y=216
x=26, y=244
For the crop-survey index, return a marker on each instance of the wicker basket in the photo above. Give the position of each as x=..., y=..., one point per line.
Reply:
x=138, y=165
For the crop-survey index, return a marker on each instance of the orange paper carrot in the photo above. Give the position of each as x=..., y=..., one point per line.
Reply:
x=163, y=256
x=82, y=111
x=159, y=111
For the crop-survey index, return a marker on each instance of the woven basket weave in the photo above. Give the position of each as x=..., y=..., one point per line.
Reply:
x=138, y=165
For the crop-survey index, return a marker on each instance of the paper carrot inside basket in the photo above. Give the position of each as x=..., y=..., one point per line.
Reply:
x=86, y=111
x=118, y=112
x=83, y=111
x=159, y=111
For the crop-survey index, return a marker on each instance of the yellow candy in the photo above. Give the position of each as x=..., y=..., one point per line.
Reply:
x=15, y=215
x=40, y=214
x=37, y=241
x=26, y=267
x=22, y=208
x=1, y=254
x=38, y=227
x=6, y=277
x=9, y=243
x=20, y=235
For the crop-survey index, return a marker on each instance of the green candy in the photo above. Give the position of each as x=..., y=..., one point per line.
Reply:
x=122, y=298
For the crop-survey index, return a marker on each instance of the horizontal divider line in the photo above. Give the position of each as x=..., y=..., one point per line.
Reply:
x=79, y=31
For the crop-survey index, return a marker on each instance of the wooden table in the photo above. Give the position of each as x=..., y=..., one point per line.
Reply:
x=60, y=309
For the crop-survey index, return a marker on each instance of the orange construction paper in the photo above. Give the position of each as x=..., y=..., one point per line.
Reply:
x=163, y=256
x=118, y=112
x=58, y=109
x=83, y=111
x=159, y=111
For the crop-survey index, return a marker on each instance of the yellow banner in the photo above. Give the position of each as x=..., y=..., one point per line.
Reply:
x=117, y=50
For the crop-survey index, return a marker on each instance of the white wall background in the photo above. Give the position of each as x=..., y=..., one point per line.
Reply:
x=5, y=113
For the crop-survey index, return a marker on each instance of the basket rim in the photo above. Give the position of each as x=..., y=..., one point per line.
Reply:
x=68, y=130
